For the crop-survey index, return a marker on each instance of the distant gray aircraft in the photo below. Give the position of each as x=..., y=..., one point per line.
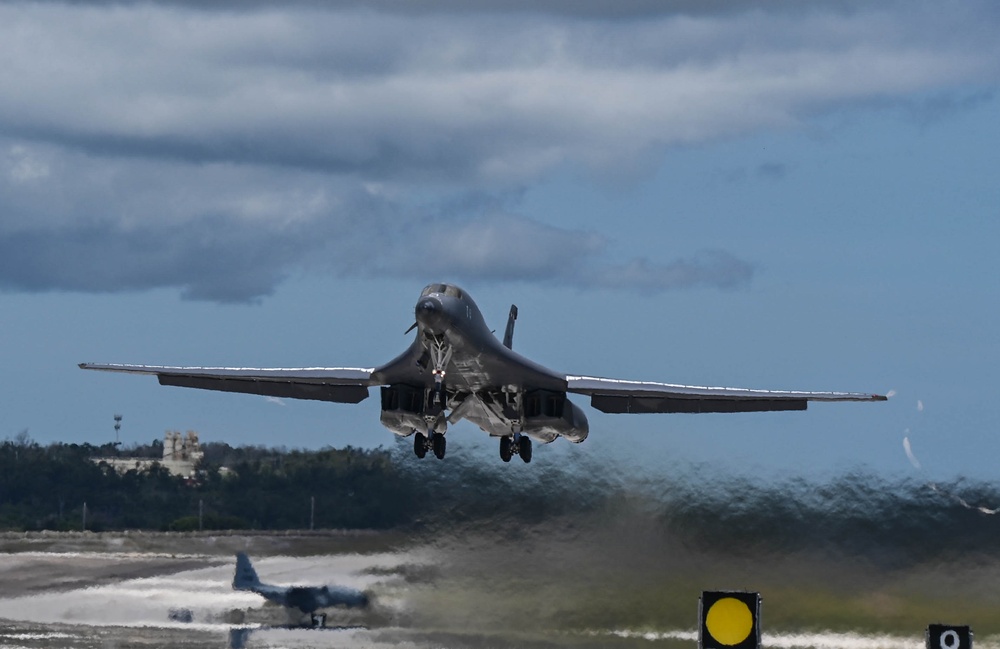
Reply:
x=307, y=599
x=457, y=369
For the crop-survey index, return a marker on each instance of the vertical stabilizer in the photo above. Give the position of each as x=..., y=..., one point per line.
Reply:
x=245, y=577
x=508, y=335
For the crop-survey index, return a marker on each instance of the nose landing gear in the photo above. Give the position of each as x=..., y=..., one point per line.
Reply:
x=516, y=444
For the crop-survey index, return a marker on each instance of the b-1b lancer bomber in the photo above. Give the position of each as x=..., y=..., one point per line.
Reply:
x=457, y=369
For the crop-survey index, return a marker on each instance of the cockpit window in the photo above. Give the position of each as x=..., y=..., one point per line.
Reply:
x=446, y=289
x=432, y=288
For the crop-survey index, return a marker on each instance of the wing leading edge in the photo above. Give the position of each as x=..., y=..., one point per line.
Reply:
x=338, y=384
x=618, y=396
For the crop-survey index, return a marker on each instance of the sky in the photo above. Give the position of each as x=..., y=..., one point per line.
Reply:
x=773, y=194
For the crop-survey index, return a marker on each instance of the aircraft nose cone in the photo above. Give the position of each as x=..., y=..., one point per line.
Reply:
x=430, y=314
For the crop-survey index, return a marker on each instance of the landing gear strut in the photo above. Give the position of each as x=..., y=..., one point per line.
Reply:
x=440, y=353
x=516, y=444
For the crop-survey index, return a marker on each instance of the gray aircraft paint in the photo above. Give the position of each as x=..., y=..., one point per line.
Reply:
x=456, y=369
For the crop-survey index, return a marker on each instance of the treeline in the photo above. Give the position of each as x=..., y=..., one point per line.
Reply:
x=59, y=487
x=897, y=521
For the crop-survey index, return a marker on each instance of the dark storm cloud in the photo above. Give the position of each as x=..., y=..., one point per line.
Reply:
x=220, y=146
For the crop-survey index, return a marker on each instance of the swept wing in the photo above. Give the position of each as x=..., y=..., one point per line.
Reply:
x=339, y=384
x=619, y=396
x=456, y=364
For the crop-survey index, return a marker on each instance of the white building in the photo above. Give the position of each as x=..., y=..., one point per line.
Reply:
x=181, y=454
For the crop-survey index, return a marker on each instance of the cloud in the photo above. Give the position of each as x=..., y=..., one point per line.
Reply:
x=23, y=168
x=772, y=170
x=456, y=98
x=608, y=9
x=232, y=234
x=711, y=268
x=508, y=247
x=505, y=247
x=213, y=261
x=219, y=147
x=226, y=261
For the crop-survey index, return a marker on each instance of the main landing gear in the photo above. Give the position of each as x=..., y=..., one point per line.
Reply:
x=436, y=442
x=516, y=444
x=439, y=352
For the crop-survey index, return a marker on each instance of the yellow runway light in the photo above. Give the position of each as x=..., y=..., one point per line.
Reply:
x=729, y=620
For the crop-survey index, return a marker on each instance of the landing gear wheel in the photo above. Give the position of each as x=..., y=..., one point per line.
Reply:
x=318, y=620
x=524, y=448
x=440, y=445
x=506, y=452
x=419, y=444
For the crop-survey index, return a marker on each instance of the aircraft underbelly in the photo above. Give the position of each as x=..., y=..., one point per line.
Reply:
x=469, y=373
x=476, y=367
x=496, y=428
x=483, y=416
x=488, y=423
x=483, y=380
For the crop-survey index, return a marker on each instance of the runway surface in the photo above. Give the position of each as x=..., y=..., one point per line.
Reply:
x=116, y=592
x=123, y=598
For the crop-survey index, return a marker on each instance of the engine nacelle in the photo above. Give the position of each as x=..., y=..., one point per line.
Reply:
x=548, y=415
x=403, y=408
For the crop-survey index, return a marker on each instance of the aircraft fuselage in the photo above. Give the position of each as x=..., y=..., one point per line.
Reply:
x=457, y=369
